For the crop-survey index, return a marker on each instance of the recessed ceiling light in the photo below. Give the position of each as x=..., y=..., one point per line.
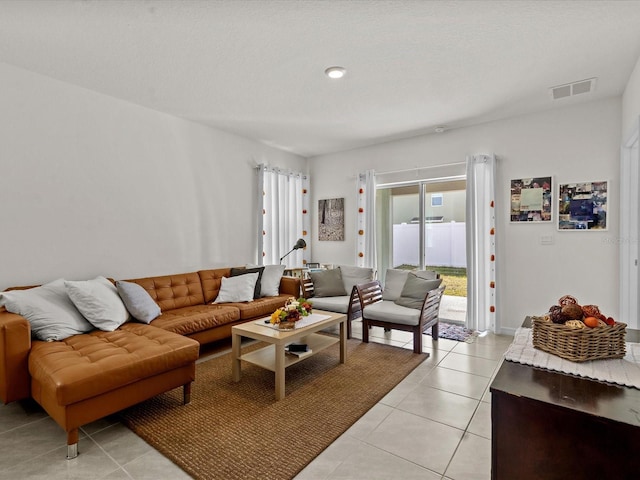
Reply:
x=335, y=72
x=440, y=129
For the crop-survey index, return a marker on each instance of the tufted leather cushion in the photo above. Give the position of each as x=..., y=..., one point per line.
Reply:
x=212, y=281
x=197, y=318
x=84, y=366
x=173, y=291
x=262, y=307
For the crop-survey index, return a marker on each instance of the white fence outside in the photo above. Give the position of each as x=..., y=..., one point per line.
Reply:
x=445, y=244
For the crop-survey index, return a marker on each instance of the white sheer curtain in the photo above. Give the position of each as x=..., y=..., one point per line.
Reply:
x=366, y=234
x=481, y=243
x=281, y=216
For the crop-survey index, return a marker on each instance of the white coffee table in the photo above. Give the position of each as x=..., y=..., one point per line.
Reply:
x=273, y=356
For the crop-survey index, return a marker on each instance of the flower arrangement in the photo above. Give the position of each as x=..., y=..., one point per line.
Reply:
x=292, y=311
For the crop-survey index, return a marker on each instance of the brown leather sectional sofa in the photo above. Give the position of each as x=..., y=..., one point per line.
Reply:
x=86, y=377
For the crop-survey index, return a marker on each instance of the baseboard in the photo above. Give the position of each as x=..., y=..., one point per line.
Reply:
x=507, y=331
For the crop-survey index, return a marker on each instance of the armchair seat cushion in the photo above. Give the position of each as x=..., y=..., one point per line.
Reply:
x=388, y=311
x=332, y=304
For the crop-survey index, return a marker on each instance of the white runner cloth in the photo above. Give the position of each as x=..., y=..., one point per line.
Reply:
x=303, y=322
x=622, y=371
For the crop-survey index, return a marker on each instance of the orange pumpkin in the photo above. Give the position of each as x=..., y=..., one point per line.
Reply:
x=591, y=322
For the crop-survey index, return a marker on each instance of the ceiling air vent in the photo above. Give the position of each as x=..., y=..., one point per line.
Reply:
x=571, y=89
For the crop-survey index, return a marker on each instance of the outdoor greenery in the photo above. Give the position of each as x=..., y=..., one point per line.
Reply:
x=453, y=277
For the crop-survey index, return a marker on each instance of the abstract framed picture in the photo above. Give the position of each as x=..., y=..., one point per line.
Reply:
x=531, y=199
x=331, y=219
x=582, y=206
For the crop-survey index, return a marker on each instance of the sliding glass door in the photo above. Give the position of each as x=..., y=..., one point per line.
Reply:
x=422, y=225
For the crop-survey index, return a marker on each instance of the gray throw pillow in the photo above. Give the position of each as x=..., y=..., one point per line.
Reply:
x=395, y=279
x=243, y=271
x=49, y=310
x=328, y=283
x=138, y=301
x=415, y=291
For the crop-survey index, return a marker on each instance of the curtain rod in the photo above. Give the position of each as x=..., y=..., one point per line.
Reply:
x=421, y=168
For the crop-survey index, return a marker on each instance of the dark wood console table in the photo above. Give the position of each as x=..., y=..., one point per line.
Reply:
x=551, y=426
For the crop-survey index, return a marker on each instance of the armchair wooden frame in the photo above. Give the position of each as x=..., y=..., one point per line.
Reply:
x=371, y=292
x=354, y=310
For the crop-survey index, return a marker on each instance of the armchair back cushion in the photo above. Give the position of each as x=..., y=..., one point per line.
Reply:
x=394, y=281
x=352, y=276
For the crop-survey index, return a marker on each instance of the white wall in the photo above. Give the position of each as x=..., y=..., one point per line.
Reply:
x=631, y=103
x=576, y=143
x=93, y=185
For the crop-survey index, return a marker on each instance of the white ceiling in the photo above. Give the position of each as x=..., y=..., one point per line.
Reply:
x=255, y=68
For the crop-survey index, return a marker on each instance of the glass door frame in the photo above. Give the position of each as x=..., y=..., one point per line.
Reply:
x=422, y=187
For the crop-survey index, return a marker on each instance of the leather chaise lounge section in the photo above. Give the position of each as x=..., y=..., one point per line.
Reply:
x=86, y=377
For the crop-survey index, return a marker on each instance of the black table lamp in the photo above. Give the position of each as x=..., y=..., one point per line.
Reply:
x=299, y=244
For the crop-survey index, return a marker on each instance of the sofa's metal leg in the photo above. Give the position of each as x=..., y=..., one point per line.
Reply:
x=186, y=393
x=72, y=451
x=72, y=444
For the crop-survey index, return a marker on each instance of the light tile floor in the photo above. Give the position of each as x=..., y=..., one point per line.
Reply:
x=436, y=424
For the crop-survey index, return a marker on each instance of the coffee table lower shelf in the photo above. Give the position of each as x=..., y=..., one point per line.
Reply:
x=266, y=357
x=273, y=356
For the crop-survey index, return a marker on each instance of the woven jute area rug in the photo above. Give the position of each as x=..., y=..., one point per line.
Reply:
x=238, y=430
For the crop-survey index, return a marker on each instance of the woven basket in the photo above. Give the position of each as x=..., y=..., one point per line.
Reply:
x=579, y=344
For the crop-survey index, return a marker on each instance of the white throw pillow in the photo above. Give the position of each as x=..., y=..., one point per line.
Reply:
x=48, y=309
x=99, y=302
x=237, y=289
x=270, y=281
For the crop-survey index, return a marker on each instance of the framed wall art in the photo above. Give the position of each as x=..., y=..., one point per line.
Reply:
x=583, y=206
x=331, y=219
x=531, y=199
